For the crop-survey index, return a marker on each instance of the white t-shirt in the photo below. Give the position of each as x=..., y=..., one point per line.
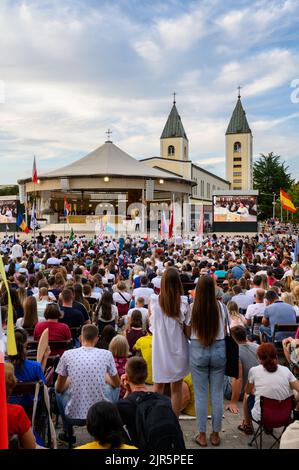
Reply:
x=255, y=310
x=114, y=314
x=20, y=321
x=156, y=281
x=159, y=264
x=54, y=261
x=275, y=385
x=144, y=313
x=242, y=300
x=121, y=299
x=251, y=293
x=16, y=251
x=221, y=331
x=108, y=277
x=144, y=292
x=50, y=295
x=41, y=307
x=87, y=368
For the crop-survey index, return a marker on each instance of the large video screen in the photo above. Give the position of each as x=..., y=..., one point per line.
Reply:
x=235, y=208
x=8, y=212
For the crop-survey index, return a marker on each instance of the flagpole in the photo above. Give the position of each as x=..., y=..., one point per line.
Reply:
x=3, y=421
x=174, y=224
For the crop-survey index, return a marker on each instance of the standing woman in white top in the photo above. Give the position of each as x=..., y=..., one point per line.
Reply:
x=207, y=358
x=169, y=312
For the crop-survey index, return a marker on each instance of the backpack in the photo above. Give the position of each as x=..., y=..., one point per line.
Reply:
x=156, y=424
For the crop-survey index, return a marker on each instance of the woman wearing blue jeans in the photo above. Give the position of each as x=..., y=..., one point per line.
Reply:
x=207, y=358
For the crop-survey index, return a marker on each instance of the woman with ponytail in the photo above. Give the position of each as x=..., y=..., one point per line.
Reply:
x=104, y=424
x=270, y=380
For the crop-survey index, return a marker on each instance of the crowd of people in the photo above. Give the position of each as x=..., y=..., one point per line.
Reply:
x=137, y=331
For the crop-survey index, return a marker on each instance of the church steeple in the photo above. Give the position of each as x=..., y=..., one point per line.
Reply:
x=174, y=141
x=238, y=123
x=239, y=149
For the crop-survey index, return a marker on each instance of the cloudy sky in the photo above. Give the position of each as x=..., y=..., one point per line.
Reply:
x=71, y=69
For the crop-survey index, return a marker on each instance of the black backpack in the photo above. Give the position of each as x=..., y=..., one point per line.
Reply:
x=156, y=424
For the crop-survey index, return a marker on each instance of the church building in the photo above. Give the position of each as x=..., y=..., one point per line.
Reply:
x=109, y=179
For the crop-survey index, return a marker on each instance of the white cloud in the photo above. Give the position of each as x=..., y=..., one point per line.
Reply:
x=72, y=70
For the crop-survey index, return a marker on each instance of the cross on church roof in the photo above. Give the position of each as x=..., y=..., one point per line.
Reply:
x=108, y=132
x=174, y=95
x=239, y=91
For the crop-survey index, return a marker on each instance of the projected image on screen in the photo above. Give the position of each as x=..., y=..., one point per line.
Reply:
x=235, y=208
x=8, y=212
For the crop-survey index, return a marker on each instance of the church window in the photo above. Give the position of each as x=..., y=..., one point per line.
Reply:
x=171, y=150
x=237, y=147
x=185, y=152
x=237, y=159
x=237, y=173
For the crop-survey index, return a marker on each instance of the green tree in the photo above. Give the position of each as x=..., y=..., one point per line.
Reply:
x=9, y=190
x=269, y=175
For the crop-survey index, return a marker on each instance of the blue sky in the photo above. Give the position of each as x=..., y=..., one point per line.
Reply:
x=71, y=69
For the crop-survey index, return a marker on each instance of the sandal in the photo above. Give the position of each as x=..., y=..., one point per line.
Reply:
x=246, y=428
x=215, y=439
x=202, y=441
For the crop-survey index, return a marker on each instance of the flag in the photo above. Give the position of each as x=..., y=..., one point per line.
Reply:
x=79, y=249
x=296, y=250
x=72, y=235
x=164, y=224
x=33, y=221
x=67, y=207
x=34, y=172
x=171, y=222
x=201, y=223
x=22, y=224
x=11, y=342
x=3, y=420
x=286, y=201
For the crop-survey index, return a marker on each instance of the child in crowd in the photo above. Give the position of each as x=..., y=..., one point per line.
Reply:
x=135, y=330
x=235, y=318
x=119, y=347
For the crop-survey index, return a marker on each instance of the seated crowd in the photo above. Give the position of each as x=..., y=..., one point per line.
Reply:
x=136, y=336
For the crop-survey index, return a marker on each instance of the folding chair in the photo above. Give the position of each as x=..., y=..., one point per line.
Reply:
x=75, y=331
x=54, y=345
x=255, y=324
x=278, y=328
x=39, y=411
x=274, y=414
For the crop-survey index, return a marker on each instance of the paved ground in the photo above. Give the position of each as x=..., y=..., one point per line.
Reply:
x=231, y=438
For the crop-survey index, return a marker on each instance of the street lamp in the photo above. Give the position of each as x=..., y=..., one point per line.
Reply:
x=274, y=202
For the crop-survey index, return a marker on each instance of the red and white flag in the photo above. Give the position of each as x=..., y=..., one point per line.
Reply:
x=171, y=222
x=34, y=172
